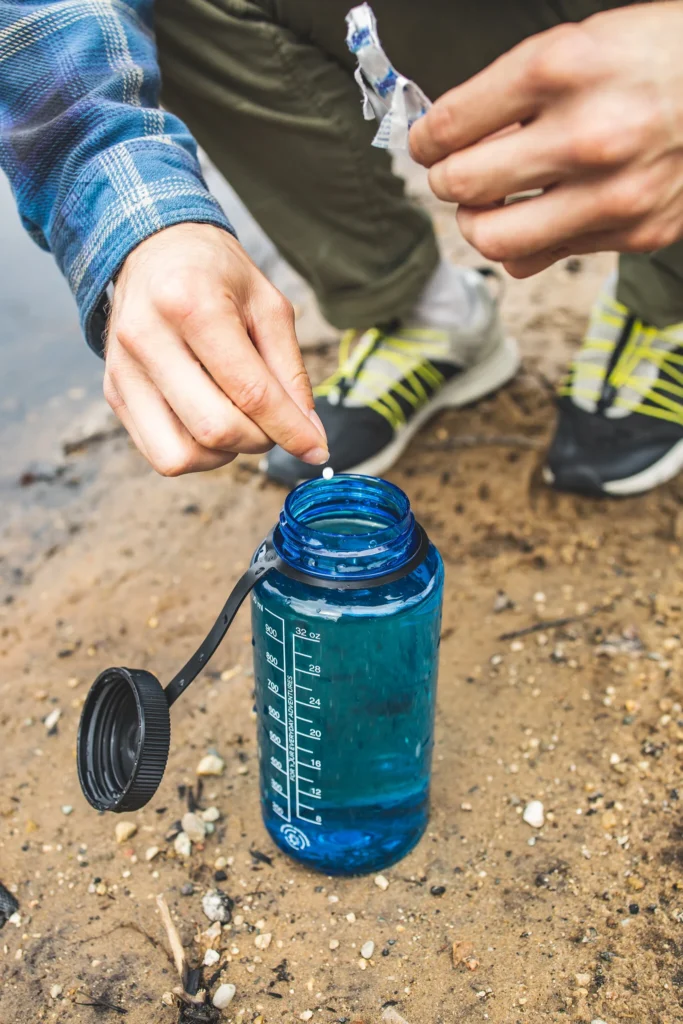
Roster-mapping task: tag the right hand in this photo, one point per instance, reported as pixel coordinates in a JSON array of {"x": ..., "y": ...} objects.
[{"x": 202, "y": 360}]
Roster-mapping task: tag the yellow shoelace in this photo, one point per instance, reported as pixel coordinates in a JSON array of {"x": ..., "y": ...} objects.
[
  {"x": 404, "y": 350},
  {"x": 661, "y": 398}
]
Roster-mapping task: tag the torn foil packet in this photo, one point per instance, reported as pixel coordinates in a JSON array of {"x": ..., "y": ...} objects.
[{"x": 395, "y": 101}]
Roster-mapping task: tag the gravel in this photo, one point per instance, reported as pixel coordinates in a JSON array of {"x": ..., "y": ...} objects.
[{"x": 223, "y": 996}]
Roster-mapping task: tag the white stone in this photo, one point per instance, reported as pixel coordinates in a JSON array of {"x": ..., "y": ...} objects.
[
  {"x": 125, "y": 830},
  {"x": 168, "y": 999},
  {"x": 151, "y": 852},
  {"x": 224, "y": 996},
  {"x": 334, "y": 943},
  {"x": 328, "y": 473},
  {"x": 67, "y": 809},
  {"x": 598, "y": 1020},
  {"x": 211, "y": 957},
  {"x": 390, "y": 1016},
  {"x": 193, "y": 827},
  {"x": 382, "y": 883},
  {"x": 182, "y": 845},
  {"x": 210, "y": 815},
  {"x": 212, "y": 764},
  {"x": 55, "y": 991},
  {"x": 367, "y": 949},
  {"x": 534, "y": 814},
  {"x": 306, "y": 1015},
  {"x": 217, "y": 906},
  {"x": 52, "y": 719},
  {"x": 263, "y": 941}
]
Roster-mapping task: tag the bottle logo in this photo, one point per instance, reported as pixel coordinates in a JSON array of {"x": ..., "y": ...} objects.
[{"x": 294, "y": 837}]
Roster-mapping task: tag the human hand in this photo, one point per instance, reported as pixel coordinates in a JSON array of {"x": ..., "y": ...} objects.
[
  {"x": 202, "y": 360},
  {"x": 593, "y": 114}
]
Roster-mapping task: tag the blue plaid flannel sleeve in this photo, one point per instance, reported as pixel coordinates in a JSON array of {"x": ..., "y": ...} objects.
[{"x": 96, "y": 167}]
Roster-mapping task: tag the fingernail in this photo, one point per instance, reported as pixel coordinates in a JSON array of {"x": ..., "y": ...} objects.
[
  {"x": 315, "y": 419},
  {"x": 316, "y": 457}
]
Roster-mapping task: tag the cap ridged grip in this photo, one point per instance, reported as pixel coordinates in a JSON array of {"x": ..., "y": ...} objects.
[{"x": 123, "y": 740}]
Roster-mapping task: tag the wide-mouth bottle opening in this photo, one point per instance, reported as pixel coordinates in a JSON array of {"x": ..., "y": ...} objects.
[{"x": 348, "y": 527}]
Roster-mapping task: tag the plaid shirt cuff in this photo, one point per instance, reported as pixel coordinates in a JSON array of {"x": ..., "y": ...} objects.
[{"x": 124, "y": 195}]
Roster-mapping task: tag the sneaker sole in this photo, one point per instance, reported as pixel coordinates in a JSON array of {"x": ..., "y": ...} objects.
[
  {"x": 499, "y": 367},
  {"x": 660, "y": 472}
]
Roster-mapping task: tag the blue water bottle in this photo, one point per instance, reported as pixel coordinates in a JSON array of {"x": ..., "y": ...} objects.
[
  {"x": 346, "y": 610},
  {"x": 345, "y": 661}
]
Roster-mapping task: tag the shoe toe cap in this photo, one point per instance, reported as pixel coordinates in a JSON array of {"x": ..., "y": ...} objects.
[{"x": 589, "y": 452}]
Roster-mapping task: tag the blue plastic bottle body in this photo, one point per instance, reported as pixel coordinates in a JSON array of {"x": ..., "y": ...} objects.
[{"x": 345, "y": 691}]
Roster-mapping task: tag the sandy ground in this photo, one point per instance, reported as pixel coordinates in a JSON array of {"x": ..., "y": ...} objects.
[{"x": 488, "y": 919}]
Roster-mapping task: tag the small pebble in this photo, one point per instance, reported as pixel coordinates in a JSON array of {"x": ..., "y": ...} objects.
[
  {"x": 51, "y": 721},
  {"x": 263, "y": 941},
  {"x": 391, "y": 1016},
  {"x": 211, "y": 957},
  {"x": 220, "y": 876},
  {"x": 217, "y": 906},
  {"x": 193, "y": 827},
  {"x": 151, "y": 852},
  {"x": 67, "y": 809},
  {"x": 534, "y": 814},
  {"x": 55, "y": 991},
  {"x": 224, "y": 995},
  {"x": 583, "y": 980},
  {"x": 367, "y": 949},
  {"x": 187, "y": 889},
  {"x": 125, "y": 830},
  {"x": 334, "y": 943},
  {"x": 328, "y": 473},
  {"x": 168, "y": 999},
  {"x": 381, "y": 882},
  {"x": 212, "y": 764},
  {"x": 220, "y": 863},
  {"x": 210, "y": 815},
  {"x": 182, "y": 845},
  {"x": 351, "y": 917},
  {"x": 306, "y": 1015},
  {"x": 437, "y": 890}
]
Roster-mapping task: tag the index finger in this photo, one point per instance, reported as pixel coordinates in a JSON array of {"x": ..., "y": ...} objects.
[
  {"x": 220, "y": 340},
  {"x": 497, "y": 97}
]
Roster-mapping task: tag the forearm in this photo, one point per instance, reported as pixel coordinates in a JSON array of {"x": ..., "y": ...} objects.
[{"x": 95, "y": 165}]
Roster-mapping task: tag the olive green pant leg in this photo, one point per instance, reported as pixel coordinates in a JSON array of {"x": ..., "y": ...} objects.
[
  {"x": 651, "y": 285},
  {"x": 283, "y": 123}
]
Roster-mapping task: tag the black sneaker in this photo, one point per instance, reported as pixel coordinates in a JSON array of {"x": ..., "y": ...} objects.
[
  {"x": 391, "y": 382},
  {"x": 620, "y": 424}
]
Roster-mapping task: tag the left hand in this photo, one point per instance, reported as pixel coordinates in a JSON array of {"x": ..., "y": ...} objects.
[{"x": 593, "y": 114}]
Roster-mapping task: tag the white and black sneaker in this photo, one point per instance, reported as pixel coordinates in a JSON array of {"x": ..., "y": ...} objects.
[
  {"x": 620, "y": 418},
  {"x": 390, "y": 381}
]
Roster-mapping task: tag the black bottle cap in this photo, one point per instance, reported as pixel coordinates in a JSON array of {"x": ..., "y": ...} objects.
[{"x": 123, "y": 740}]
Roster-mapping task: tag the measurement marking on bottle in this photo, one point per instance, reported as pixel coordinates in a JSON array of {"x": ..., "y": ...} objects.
[{"x": 275, "y": 631}]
